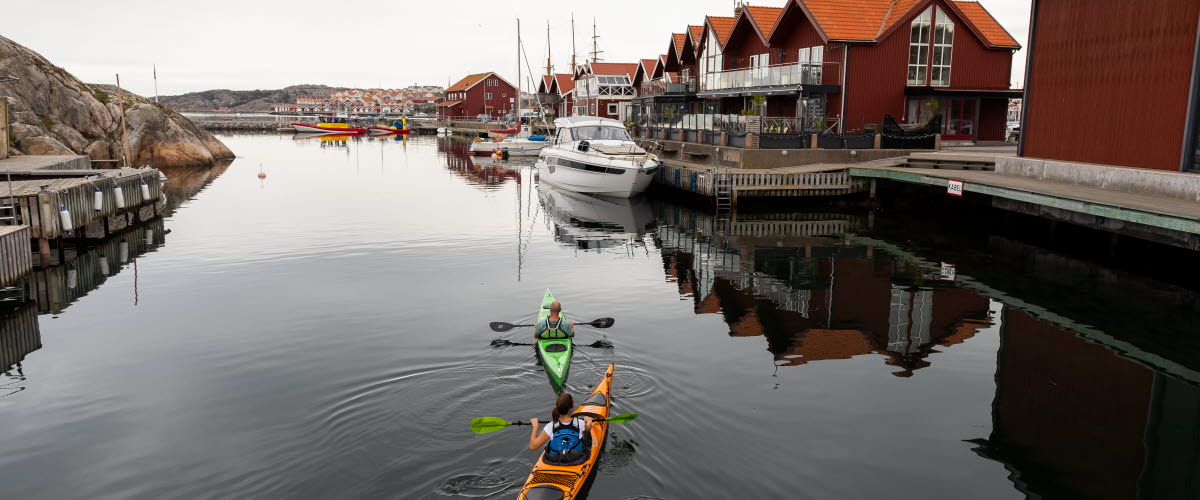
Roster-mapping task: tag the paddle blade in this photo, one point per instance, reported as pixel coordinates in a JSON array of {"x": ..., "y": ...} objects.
[
  {"x": 484, "y": 425},
  {"x": 602, "y": 323},
  {"x": 500, "y": 326},
  {"x": 620, "y": 419}
]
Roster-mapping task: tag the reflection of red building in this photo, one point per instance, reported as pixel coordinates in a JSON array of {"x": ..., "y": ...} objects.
[
  {"x": 1073, "y": 419},
  {"x": 843, "y": 303}
]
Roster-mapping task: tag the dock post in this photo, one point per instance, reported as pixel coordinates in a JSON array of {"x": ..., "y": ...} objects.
[
  {"x": 878, "y": 145},
  {"x": 873, "y": 181},
  {"x": 937, "y": 141},
  {"x": 46, "y": 212},
  {"x": 813, "y": 143}
]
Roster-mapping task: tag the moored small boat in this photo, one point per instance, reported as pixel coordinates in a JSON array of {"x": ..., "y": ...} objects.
[{"x": 326, "y": 127}]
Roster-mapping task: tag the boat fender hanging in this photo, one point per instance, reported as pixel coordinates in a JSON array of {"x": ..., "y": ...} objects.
[
  {"x": 65, "y": 217},
  {"x": 149, "y": 236},
  {"x": 145, "y": 192},
  {"x": 119, "y": 196},
  {"x": 98, "y": 200},
  {"x": 584, "y": 145},
  {"x": 104, "y": 265},
  {"x": 123, "y": 252},
  {"x": 72, "y": 278}
]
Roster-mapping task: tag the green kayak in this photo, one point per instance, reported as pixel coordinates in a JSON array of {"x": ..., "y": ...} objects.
[{"x": 555, "y": 353}]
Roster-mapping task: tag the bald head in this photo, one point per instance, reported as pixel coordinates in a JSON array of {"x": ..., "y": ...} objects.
[{"x": 555, "y": 307}]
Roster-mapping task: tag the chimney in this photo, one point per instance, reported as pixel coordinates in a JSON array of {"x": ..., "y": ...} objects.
[{"x": 737, "y": 9}]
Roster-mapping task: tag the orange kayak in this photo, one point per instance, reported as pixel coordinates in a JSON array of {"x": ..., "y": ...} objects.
[{"x": 564, "y": 482}]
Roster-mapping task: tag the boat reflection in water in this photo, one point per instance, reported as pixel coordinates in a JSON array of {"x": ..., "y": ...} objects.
[
  {"x": 1077, "y": 413},
  {"x": 484, "y": 173},
  {"x": 596, "y": 222}
]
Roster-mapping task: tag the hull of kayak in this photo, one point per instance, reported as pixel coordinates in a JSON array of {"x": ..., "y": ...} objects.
[
  {"x": 321, "y": 128},
  {"x": 554, "y": 353},
  {"x": 566, "y": 482}
]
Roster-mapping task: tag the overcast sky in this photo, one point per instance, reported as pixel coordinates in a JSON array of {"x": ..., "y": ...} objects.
[{"x": 267, "y": 44}]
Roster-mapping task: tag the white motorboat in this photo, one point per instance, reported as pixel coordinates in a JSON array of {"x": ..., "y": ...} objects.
[
  {"x": 522, "y": 144},
  {"x": 596, "y": 156}
]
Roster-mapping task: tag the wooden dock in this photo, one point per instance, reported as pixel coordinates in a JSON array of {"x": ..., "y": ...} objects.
[
  {"x": 42, "y": 194},
  {"x": 16, "y": 260},
  {"x": 800, "y": 181}
]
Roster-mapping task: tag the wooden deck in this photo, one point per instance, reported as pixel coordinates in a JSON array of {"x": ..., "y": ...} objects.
[
  {"x": 802, "y": 181},
  {"x": 16, "y": 260},
  {"x": 41, "y": 194}
]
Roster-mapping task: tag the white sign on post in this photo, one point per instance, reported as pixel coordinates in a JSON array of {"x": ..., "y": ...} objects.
[
  {"x": 954, "y": 187},
  {"x": 949, "y": 271}
]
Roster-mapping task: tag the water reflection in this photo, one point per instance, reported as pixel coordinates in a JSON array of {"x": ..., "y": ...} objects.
[
  {"x": 20, "y": 335},
  {"x": 596, "y": 222},
  {"x": 485, "y": 173},
  {"x": 797, "y": 280}
]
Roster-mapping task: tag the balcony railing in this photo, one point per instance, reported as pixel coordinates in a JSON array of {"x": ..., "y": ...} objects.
[
  {"x": 680, "y": 85},
  {"x": 827, "y": 73},
  {"x": 716, "y": 122}
]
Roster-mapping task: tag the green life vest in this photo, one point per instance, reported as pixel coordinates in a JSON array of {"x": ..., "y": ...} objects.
[{"x": 553, "y": 329}]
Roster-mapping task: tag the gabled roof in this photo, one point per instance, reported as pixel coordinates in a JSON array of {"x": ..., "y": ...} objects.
[
  {"x": 606, "y": 68},
  {"x": 563, "y": 83},
  {"x": 677, "y": 40},
  {"x": 473, "y": 80},
  {"x": 696, "y": 32},
  {"x": 647, "y": 65},
  {"x": 546, "y": 85},
  {"x": 993, "y": 33},
  {"x": 447, "y": 104},
  {"x": 764, "y": 18},
  {"x": 872, "y": 20},
  {"x": 722, "y": 26}
]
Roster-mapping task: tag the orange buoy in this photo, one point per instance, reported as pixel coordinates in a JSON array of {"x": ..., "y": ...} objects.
[{"x": 262, "y": 175}]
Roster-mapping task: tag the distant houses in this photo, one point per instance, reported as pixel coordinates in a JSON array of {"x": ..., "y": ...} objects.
[{"x": 366, "y": 101}]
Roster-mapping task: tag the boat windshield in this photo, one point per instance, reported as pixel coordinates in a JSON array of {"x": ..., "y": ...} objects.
[{"x": 597, "y": 133}]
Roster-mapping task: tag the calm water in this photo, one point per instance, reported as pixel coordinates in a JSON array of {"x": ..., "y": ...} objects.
[{"x": 323, "y": 334}]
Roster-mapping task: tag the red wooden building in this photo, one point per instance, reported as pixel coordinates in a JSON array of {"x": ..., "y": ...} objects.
[
  {"x": 1115, "y": 83},
  {"x": 842, "y": 65},
  {"x": 480, "y": 94},
  {"x": 602, "y": 89},
  {"x": 558, "y": 93}
]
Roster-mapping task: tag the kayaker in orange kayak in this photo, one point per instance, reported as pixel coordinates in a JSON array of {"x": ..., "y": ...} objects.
[
  {"x": 565, "y": 437},
  {"x": 553, "y": 327}
]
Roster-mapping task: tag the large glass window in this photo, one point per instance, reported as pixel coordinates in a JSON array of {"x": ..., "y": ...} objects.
[
  {"x": 600, "y": 134},
  {"x": 918, "y": 48},
  {"x": 711, "y": 61},
  {"x": 943, "y": 47}
]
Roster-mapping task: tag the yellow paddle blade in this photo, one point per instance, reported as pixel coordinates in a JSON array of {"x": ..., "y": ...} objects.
[{"x": 484, "y": 425}]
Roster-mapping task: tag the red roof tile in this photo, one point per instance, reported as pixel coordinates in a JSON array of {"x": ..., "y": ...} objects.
[
  {"x": 853, "y": 20},
  {"x": 648, "y": 65},
  {"x": 566, "y": 82},
  {"x": 722, "y": 26},
  {"x": 467, "y": 82},
  {"x": 547, "y": 80},
  {"x": 603, "y": 68},
  {"x": 678, "y": 39},
  {"x": 764, "y": 17},
  {"x": 992, "y": 32},
  {"x": 696, "y": 32},
  {"x": 447, "y": 104}
]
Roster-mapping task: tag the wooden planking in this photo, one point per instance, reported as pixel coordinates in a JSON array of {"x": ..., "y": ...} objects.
[
  {"x": 76, "y": 194},
  {"x": 19, "y": 336},
  {"x": 15, "y": 258}
]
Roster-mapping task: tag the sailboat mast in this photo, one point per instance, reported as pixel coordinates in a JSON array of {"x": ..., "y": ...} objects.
[
  {"x": 517, "y": 108},
  {"x": 549, "y": 66},
  {"x": 573, "y": 51}
]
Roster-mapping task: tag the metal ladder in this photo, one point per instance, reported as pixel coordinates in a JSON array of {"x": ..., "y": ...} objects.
[{"x": 9, "y": 212}]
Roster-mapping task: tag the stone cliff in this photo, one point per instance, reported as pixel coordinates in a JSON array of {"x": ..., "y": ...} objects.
[{"x": 52, "y": 112}]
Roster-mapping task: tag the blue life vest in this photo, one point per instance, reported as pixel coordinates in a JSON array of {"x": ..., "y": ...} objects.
[{"x": 566, "y": 437}]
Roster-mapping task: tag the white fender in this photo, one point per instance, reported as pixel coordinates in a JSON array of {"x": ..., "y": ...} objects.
[
  {"x": 119, "y": 196},
  {"x": 145, "y": 192},
  {"x": 149, "y": 237},
  {"x": 123, "y": 252},
  {"x": 98, "y": 200},
  {"x": 104, "y": 265},
  {"x": 72, "y": 278},
  {"x": 65, "y": 217}
]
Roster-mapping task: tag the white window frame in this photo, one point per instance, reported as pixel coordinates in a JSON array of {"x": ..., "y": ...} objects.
[
  {"x": 943, "y": 50},
  {"x": 612, "y": 108},
  {"x": 487, "y": 96},
  {"x": 918, "y": 39}
]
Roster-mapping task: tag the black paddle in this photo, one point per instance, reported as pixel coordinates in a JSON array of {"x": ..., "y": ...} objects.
[
  {"x": 500, "y": 326},
  {"x": 599, "y": 344}
]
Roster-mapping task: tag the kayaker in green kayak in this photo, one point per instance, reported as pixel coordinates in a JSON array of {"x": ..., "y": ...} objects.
[{"x": 553, "y": 326}]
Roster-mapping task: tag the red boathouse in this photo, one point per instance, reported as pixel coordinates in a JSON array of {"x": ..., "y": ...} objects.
[{"x": 482, "y": 94}]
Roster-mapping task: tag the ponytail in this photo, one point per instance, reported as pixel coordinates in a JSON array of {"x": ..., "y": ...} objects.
[{"x": 562, "y": 406}]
